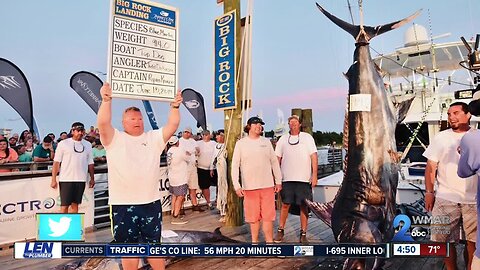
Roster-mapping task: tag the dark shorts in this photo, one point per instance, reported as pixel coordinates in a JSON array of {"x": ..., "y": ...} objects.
[
  {"x": 140, "y": 223},
  {"x": 214, "y": 179},
  {"x": 178, "y": 190},
  {"x": 204, "y": 178},
  {"x": 71, "y": 192},
  {"x": 296, "y": 192}
]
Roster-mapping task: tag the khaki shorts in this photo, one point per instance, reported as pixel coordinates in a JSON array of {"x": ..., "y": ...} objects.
[
  {"x": 462, "y": 217},
  {"x": 192, "y": 177}
]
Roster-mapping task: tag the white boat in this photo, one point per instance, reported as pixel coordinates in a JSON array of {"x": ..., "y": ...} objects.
[{"x": 430, "y": 73}]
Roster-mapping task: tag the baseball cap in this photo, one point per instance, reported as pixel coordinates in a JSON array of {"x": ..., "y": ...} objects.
[
  {"x": 206, "y": 132},
  {"x": 255, "y": 120},
  {"x": 294, "y": 117},
  {"x": 78, "y": 126},
  {"x": 189, "y": 129},
  {"x": 221, "y": 132},
  {"x": 474, "y": 105},
  {"x": 173, "y": 140}
]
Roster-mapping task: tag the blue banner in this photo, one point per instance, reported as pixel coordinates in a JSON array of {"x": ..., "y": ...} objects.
[
  {"x": 224, "y": 250},
  {"x": 225, "y": 66},
  {"x": 150, "y": 114}
]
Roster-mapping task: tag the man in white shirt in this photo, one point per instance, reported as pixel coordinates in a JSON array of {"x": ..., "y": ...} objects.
[
  {"x": 297, "y": 155},
  {"x": 133, "y": 174},
  {"x": 205, "y": 180},
  {"x": 454, "y": 197},
  {"x": 188, "y": 144},
  {"x": 255, "y": 159},
  {"x": 75, "y": 155}
]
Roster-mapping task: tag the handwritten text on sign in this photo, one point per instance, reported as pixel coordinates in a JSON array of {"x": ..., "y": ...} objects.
[{"x": 143, "y": 50}]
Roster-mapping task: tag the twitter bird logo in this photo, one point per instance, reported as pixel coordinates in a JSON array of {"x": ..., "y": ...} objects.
[{"x": 59, "y": 228}]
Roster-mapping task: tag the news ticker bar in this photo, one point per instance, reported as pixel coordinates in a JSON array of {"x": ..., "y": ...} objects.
[{"x": 67, "y": 250}]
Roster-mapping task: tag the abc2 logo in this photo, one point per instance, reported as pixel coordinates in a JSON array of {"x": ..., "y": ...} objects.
[{"x": 421, "y": 227}]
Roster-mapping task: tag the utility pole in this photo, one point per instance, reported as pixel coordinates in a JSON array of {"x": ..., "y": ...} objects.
[{"x": 233, "y": 124}]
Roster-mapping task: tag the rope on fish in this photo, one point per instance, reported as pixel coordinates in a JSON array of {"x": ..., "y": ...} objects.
[{"x": 412, "y": 138}]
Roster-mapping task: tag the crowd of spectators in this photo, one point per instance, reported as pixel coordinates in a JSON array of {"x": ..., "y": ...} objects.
[{"x": 27, "y": 147}]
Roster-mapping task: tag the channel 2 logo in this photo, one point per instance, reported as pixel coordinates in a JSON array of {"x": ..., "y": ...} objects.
[
  {"x": 303, "y": 251},
  {"x": 421, "y": 227}
]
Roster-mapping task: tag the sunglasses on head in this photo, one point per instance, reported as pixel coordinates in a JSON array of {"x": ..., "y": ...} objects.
[{"x": 78, "y": 128}]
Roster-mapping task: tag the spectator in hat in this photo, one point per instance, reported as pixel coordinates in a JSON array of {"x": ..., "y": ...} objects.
[
  {"x": 255, "y": 159},
  {"x": 297, "y": 155},
  {"x": 469, "y": 164},
  {"x": 177, "y": 160},
  {"x": 189, "y": 145},
  {"x": 205, "y": 179},
  {"x": 75, "y": 156},
  {"x": 12, "y": 142}
]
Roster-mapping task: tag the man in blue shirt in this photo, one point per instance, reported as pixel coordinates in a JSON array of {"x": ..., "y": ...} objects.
[{"x": 469, "y": 164}]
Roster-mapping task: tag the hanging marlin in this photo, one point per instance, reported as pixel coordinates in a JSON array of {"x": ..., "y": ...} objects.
[{"x": 364, "y": 208}]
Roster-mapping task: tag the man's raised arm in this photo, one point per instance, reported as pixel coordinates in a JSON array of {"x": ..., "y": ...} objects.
[
  {"x": 173, "y": 117},
  {"x": 104, "y": 117}
]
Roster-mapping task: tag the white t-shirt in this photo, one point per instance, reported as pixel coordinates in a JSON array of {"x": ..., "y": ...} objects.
[
  {"x": 296, "y": 163},
  {"x": 256, "y": 160},
  {"x": 134, "y": 167},
  {"x": 189, "y": 146},
  {"x": 206, "y": 153},
  {"x": 75, "y": 156},
  {"x": 444, "y": 150},
  {"x": 177, "y": 161}
]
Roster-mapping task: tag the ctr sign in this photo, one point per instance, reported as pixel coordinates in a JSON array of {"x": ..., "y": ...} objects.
[{"x": 225, "y": 68}]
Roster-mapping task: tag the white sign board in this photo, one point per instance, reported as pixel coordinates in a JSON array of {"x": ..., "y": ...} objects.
[{"x": 143, "y": 50}]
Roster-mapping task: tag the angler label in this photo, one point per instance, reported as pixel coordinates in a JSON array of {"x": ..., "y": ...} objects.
[
  {"x": 143, "y": 50},
  {"x": 360, "y": 103}
]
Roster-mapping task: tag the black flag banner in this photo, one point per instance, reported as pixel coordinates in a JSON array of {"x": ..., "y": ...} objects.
[
  {"x": 195, "y": 105},
  {"x": 14, "y": 89},
  {"x": 87, "y": 85}
]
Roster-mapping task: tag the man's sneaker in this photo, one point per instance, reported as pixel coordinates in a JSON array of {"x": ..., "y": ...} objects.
[
  {"x": 211, "y": 207},
  {"x": 182, "y": 212},
  {"x": 303, "y": 237},
  {"x": 198, "y": 208},
  {"x": 177, "y": 221},
  {"x": 279, "y": 237}
]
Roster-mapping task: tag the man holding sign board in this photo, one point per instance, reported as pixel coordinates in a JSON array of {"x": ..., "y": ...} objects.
[
  {"x": 142, "y": 64},
  {"x": 133, "y": 171}
]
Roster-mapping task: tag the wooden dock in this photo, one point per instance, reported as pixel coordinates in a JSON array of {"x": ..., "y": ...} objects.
[{"x": 318, "y": 233}]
